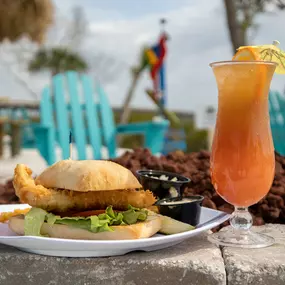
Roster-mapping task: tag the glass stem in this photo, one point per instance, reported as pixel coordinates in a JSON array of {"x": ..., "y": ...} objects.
[{"x": 241, "y": 219}]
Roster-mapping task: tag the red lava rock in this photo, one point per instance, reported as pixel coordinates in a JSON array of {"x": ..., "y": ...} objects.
[
  {"x": 226, "y": 208},
  {"x": 218, "y": 200},
  {"x": 275, "y": 201},
  {"x": 209, "y": 203},
  {"x": 258, "y": 221},
  {"x": 7, "y": 193},
  {"x": 207, "y": 194}
]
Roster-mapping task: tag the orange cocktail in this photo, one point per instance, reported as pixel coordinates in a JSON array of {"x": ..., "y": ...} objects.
[
  {"x": 242, "y": 161},
  {"x": 242, "y": 158}
]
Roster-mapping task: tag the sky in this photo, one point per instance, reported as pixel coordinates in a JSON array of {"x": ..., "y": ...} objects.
[{"x": 117, "y": 30}]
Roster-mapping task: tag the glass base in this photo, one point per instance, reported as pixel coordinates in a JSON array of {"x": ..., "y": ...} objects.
[{"x": 244, "y": 239}]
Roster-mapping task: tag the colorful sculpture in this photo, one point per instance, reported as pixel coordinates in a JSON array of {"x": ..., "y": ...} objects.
[{"x": 152, "y": 58}]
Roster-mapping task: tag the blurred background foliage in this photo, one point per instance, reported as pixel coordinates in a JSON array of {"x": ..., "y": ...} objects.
[{"x": 25, "y": 17}]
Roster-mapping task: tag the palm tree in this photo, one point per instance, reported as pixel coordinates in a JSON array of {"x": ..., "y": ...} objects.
[
  {"x": 241, "y": 16},
  {"x": 25, "y": 17},
  {"x": 57, "y": 60}
]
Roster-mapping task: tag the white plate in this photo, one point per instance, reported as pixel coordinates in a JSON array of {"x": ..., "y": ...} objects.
[{"x": 85, "y": 248}]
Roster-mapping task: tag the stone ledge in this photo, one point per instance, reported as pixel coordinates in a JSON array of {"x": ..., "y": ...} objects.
[
  {"x": 195, "y": 261},
  {"x": 258, "y": 266}
]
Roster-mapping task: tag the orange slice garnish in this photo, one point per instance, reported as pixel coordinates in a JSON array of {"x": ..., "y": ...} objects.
[
  {"x": 246, "y": 54},
  {"x": 250, "y": 54},
  {"x": 264, "y": 53}
]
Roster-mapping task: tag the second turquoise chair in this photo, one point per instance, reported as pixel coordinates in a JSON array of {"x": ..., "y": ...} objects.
[{"x": 277, "y": 120}]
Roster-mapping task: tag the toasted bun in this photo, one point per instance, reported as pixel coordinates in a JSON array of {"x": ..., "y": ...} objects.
[
  {"x": 136, "y": 231},
  {"x": 87, "y": 175}
]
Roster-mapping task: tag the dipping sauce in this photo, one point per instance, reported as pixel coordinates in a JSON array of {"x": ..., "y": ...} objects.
[
  {"x": 183, "y": 201},
  {"x": 163, "y": 184},
  {"x": 164, "y": 177},
  {"x": 186, "y": 210}
]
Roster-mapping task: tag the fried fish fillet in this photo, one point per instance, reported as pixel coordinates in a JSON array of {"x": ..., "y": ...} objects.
[{"x": 61, "y": 200}]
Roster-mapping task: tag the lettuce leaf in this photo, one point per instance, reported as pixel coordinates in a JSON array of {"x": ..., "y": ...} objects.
[
  {"x": 132, "y": 215},
  {"x": 34, "y": 220},
  {"x": 96, "y": 224}
]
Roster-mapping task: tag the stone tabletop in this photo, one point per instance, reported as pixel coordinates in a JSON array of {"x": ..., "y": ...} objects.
[
  {"x": 195, "y": 261},
  {"x": 258, "y": 266}
]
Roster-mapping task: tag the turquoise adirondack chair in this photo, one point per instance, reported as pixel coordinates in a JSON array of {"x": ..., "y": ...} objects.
[
  {"x": 89, "y": 117},
  {"x": 277, "y": 120}
]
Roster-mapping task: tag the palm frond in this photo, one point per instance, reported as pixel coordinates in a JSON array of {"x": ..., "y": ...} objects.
[{"x": 57, "y": 60}]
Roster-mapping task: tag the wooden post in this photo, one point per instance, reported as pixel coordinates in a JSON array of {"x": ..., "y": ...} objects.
[
  {"x": 2, "y": 134},
  {"x": 126, "y": 112},
  {"x": 211, "y": 132},
  {"x": 16, "y": 138},
  {"x": 210, "y": 120},
  {"x": 126, "y": 106}
]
